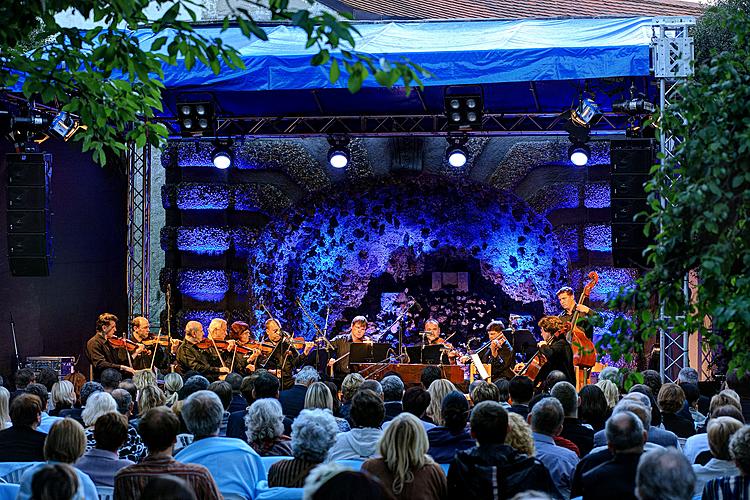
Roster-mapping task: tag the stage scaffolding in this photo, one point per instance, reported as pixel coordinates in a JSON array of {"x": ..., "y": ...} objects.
[{"x": 139, "y": 234}]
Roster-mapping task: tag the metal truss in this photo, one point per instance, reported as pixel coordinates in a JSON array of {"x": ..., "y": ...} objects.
[
  {"x": 672, "y": 55},
  {"x": 139, "y": 234},
  {"x": 500, "y": 124}
]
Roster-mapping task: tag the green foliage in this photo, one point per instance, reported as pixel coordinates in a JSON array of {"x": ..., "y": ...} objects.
[
  {"x": 703, "y": 230},
  {"x": 113, "y": 83}
]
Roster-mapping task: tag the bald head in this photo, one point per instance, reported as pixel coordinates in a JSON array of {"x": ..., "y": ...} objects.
[{"x": 193, "y": 331}]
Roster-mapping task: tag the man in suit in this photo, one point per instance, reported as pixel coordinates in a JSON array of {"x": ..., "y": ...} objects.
[
  {"x": 521, "y": 390},
  {"x": 573, "y": 429},
  {"x": 293, "y": 400},
  {"x": 22, "y": 442},
  {"x": 393, "y": 394}
]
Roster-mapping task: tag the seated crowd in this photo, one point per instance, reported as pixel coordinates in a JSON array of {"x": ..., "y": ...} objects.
[{"x": 183, "y": 437}]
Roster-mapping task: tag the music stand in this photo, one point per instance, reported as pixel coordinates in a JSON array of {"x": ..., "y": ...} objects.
[
  {"x": 524, "y": 343},
  {"x": 368, "y": 352},
  {"x": 428, "y": 355}
]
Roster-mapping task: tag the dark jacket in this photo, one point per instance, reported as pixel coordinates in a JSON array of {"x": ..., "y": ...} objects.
[
  {"x": 587, "y": 463},
  {"x": 559, "y": 357},
  {"x": 190, "y": 358},
  {"x": 74, "y": 413},
  {"x": 285, "y": 358},
  {"x": 236, "y": 427},
  {"x": 393, "y": 409},
  {"x": 502, "y": 365},
  {"x": 238, "y": 403},
  {"x": 293, "y": 400},
  {"x": 102, "y": 355},
  {"x": 582, "y": 436},
  {"x": 495, "y": 472},
  {"x": 683, "y": 427},
  {"x": 655, "y": 435},
  {"x": 21, "y": 444},
  {"x": 522, "y": 410},
  {"x": 612, "y": 479},
  {"x": 444, "y": 444}
]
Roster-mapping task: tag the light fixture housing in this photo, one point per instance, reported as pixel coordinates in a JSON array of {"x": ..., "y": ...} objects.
[
  {"x": 339, "y": 154},
  {"x": 464, "y": 108},
  {"x": 579, "y": 154},
  {"x": 196, "y": 118},
  {"x": 456, "y": 154},
  {"x": 222, "y": 156},
  {"x": 586, "y": 114},
  {"x": 64, "y": 125}
]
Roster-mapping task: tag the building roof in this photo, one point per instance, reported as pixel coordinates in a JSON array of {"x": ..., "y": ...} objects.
[{"x": 512, "y": 9}]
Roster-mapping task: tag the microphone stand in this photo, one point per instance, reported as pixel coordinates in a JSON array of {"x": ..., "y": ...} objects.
[{"x": 15, "y": 344}]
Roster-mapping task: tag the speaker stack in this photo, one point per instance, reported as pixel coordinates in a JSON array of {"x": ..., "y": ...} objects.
[
  {"x": 631, "y": 161},
  {"x": 28, "y": 193}
]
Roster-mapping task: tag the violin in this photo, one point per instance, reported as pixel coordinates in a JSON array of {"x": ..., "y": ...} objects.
[
  {"x": 161, "y": 340},
  {"x": 122, "y": 343}
]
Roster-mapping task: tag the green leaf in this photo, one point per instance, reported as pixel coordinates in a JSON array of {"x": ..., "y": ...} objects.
[
  {"x": 158, "y": 43},
  {"x": 335, "y": 72}
]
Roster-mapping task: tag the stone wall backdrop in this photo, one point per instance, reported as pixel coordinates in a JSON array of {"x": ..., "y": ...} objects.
[{"x": 281, "y": 225}]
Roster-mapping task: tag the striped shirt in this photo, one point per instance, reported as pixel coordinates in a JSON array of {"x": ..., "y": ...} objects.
[
  {"x": 131, "y": 481},
  {"x": 290, "y": 473},
  {"x": 727, "y": 488}
]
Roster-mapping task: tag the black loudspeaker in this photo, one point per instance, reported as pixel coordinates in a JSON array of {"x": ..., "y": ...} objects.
[
  {"x": 29, "y": 177},
  {"x": 631, "y": 160}
]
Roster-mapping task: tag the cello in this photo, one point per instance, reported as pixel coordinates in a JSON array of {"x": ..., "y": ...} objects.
[{"x": 584, "y": 351}]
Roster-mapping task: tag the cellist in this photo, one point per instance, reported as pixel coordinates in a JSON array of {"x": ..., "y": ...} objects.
[{"x": 556, "y": 348}]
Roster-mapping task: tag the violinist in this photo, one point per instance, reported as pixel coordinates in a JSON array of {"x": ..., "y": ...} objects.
[
  {"x": 99, "y": 350},
  {"x": 221, "y": 353},
  {"x": 567, "y": 300},
  {"x": 500, "y": 353},
  {"x": 556, "y": 348},
  {"x": 141, "y": 357},
  {"x": 342, "y": 343},
  {"x": 191, "y": 357},
  {"x": 432, "y": 337},
  {"x": 239, "y": 331},
  {"x": 284, "y": 357}
]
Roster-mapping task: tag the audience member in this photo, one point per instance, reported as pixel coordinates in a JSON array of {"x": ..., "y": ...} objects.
[
  {"x": 503, "y": 387},
  {"x": 144, "y": 378},
  {"x": 265, "y": 429},
  {"x": 664, "y": 474},
  {"x": 521, "y": 389},
  {"x": 23, "y": 442},
  {"x": 313, "y": 434},
  {"x": 697, "y": 445},
  {"x": 65, "y": 443},
  {"x": 393, "y": 393},
  {"x": 546, "y": 419},
  {"x": 611, "y": 393},
  {"x": 261, "y": 385},
  {"x": 655, "y": 412},
  {"x": 451, "y": 436},
  {"x": 519, "y": 435},
  {"x": 86, "y": 391},
  {"x": 110, "y": 379},
  {"x": 238, "y": 402},
  {"x": 4, "y": 408},
  {"x": 55, "y": 482},
  {"x": 720, "y": 432},
  {"x": 319, "y": 396},
  {"x": 652, "y": 379},
  {"x": 158, "y": 429},
  {"x": 553, "y": 378},
  {"x": 191, "y": 385},
  {"x": 689, "y": 375},
  {"x": 573, "y": 429},
  {"x": 733, "y": 486},
  {"x": 63, "y": 397},
  {"x": 129, "y": 386},
  {"x": 429, "y": 374},
  {"x": 367, "y": 413},
  {"x": 99, "y": 404},
  {"x": 234, "y": 465},
  {"x": 611, "y": 373},
  {"x": 438, "y": 390},
  {"x": 78, "y": 380},
  {"x": 222, "y": 389},
  {"x": 124, "y": 402},
  {"x": 173, "y": 382},
  {"x": 349, "y": 387},
  {"x": 41, "y": 392},
  {"x": 374, "y": 386},
  {"x": 655, "y": 435},
  {"x": 293, "y": 399},
  {"x": 24, "y": 377},
  {"x": 171, "y": 487},
  {"x": 102, "y": 462},
  {"x": 404, "y": 467},
  {"x": 47, "y": 377},
  {"x": 692, "y": 397},
  {"x": 416, "y": 401},
  {"x": 741, "y": 385},
  {"x": 671, "y": 399},
  {"x": 491, "y": 468},
  {"x": 336, "y": 400},
  {"x": 334, "y": 482},
  {"x": 616, "y": 477},
  {"x": 485, "y": 391}
]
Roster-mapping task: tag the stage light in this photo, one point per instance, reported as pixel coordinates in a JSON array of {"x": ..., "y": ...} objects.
[
  {"x": 339, "y": 154},
  {"x": 456, "y": 154},
  {"x": 586, "y": 114},
  {"x": 64, "y": 126},
  {"x": 464, "y": 112},
  {"x": 222, "y": 156},
  {"x": 196, "y": 118},
  {"x": 579, "y": 154}
]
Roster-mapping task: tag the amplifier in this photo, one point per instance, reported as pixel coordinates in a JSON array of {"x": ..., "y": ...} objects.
[{"x": 63, "y": 365}]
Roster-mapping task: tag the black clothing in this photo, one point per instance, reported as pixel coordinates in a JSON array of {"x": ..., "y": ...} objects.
[
  {"x": 143, "y": 360},
  {"x": 585, "y": 321},
  {"x": 522, "y": 410},
  {"x": 238, "y": 403},
  {"x": 612, "y": 479},
  {"x": 102, "y": 355},
  {"x": 582, "y": 436},
  {"x": 236, "y": 427},
  {"x": 496, "y": 471},
  {"x": 587, "y": 463},
  {"x": 284, "y": 358},
  {"x": 190, "y": 358},
  {"x": 559, "y": 357},
  {"x": 681, "y": 426},
  {"x": 502, "y": 365},
  {"x": 21, "y": 444},
  {"x": 342, "y": 344},
  {"x": 392, "y": 410},
  {"x": 293, "y": 400},
  {"x": 74, "y": 413}
]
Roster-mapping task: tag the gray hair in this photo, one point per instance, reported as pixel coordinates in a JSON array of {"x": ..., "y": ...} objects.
[
  {"x": 306, "y": 376},
  {"x": 688, "y": 376},
  {"x": 638, "y": 397},
  {"x": 313, "y": 434},
  {"x": 643, "y": 413},
  {"x": 63, "y": 392},
  {"x": 215, "y": 324},
  {"x": 566, "y": 394},
  {"x": 547, "y": 416},
  {"x": 393, "y": 388},
  {"x": 264, "y": 420},
  {"x": 97, "y": 405},
  {"x": 202, "y": 413},
  {"x": 612, "y": 374},
  {"x": 739, "y": 449},
  {"x": 123, "y": 400},
  {"x": 664, "y": 474},
  {"x": 372, "y": 385},
  {"x": 624, "y": 431},
  {"x": 173, "y": 382}
]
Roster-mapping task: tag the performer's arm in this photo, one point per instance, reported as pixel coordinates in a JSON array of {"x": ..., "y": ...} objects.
[{"x": 98, "y": 358}]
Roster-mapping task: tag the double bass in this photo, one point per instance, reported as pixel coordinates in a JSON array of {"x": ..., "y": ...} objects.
[{"x": 584, "y": 351}]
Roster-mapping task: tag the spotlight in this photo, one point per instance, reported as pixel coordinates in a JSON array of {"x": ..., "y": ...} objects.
[
  {"x": 338, "y": 153},
  {"x": 579, "y": 154},
  {"x": 64, "y": 126},
  {"x": 222, "y": 156},
  {"x": 464, "y": 112},
  {"x": 196, "y": 118},
  {"x": 586, "y": 114},
  {"x": 636, "y": 106},
  {"x": 455, "y": 153}
]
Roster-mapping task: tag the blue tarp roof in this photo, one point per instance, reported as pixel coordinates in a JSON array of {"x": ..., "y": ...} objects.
[{"x": 456, "y": 52}]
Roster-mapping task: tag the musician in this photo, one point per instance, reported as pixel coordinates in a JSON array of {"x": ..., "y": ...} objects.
[
  {"x": 99, "y": 351},
  {"x": 567, "y": 300},
  {"x": 190, "y": 357},
  {"x": 221, "y": 352},
  {"x": 432, "y": 337},
  {"x": 284, "y": 358},
  {"x": 142, "y": 356},
  {"x": 499, "y": 354},
  {"x": 342, "y": 344},
  {"x": 556, "y": 348},
  {"x": 239, "y": 331}
]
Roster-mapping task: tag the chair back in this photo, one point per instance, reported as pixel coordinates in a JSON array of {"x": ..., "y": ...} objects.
[
  {"x": 263, "y": 492},
  {"x": 11, "y": 472},
  {"x": 351, "y": 463},
  {"x": 10, "y": 491},
  {"x": 269, "y": 461},
  {"x": 105, "y": 492}
]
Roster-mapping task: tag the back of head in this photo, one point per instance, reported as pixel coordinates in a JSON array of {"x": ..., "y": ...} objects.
[
  {"x": 97, "y": 405},
  {"x": 593, "y": 404},
  {"x": 625, "y": 432},
  {"x": 637, "y": 408},
  {"x": 123, "y": 399},
  {"x": 202, "y": 413},
  {"x": 547, "y": 416},
  {"x": 63, "y": 393},
  {"x": 374, "y": 386},
  {"x": 111, "y": 431},
  {"x": 39, "y": 391},
  {"x": 66, "y": 442},
  {"x": 222, "y": 389},
  {"x": 724, "y": 398},
  {"x": 393, "y": 388},
  {"x": 110, "y": 379},
  {"x": 367, "y": 409},
  {"x": 612, "y": 374},
  {"x": 234, "y": 380},
  {"x": 24, "y": 377},
  {"x": 350, "y": 386},
  {"x": 503, "y": 385},
  {"x": 143, "y": 378},
  {"x": 54, "y": 482},
  {"x": 566, "y": 394},
  {"x": 664, "y": 474},
  {"x": 720, "y": 431},
  {"x": 343, "y": 484},
  {"x": 728, "y": 411},
  {"x": 403, "y": 447},
  {"x": 318, "y": 395},
  {"x": 47, "y": 377},
  {"x": 489, "y": 423},
  {"x": 313, "y": 434},
  {"x": 553, "y": 378},
  {"x": 739, "y": 449},
  {"x": 173, "y": 382},
  {"x": 416, "y": 400},
  {"x": 652, "y": 379},
  {"x": 688, "y": 375},
  {"x": 519, "y": 435},
  {"x": 4, "y": 406},
  {"x": 521, "y": 390},
  {"x": 265, "y": 385},
  {"x": 129, "y": 386},
  {"x": 454, "y": 411},
  {"x": 438, "y": 390},
  {"x": 264, "y": 420},
  {"x": 158, "y": 429},
  {"x": 192, "y": 385},
  {"x": 430, "y": 374},
  {"x": 151, "y": 397},
  {"x": 306, "y": 376},
  {"x": 611, "y": 393},
  {"x": 88, "y": 389},
  {"x": 692, "y": 393},
  {"x": 671, "y": 398},
  {"x": 485, "y": 392},
  {"x": 25, "y": 410},
  {"x": 167, "y": 487}
]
